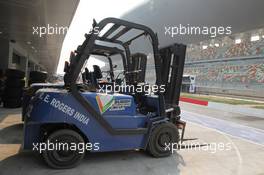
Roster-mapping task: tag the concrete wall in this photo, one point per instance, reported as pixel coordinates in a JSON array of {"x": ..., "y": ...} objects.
[
  {"x": 20, "y": 51},
  {"x": 7, "y": 49}
]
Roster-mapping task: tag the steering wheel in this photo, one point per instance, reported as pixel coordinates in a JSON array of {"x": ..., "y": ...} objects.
[
  {"x": 121, "y": 79},
  {"x": 106, "y": 75}
]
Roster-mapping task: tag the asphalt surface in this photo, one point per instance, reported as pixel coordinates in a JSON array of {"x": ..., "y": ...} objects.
[
  {"x": 225, "y": 143},
  {"x": 246, "y": 120},
  {"x": 237, "y": 130}
]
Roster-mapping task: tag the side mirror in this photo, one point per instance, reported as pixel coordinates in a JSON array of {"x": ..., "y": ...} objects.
[{"x": 115, "y": 66}]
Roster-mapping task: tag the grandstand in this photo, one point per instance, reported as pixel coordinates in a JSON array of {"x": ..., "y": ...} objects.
[{"x": 230, "y": 65}]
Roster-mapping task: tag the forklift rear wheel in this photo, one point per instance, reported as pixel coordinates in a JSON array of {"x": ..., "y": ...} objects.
[
  {"x": 161, "y": 140},
  {"x": 61, "y": 157}
]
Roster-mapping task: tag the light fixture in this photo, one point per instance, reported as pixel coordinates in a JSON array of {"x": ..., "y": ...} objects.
[
  {"x": 28, "y": 42},
  {"x": 238, "y": 41},
  {"x": 205, "y": 47},
  {"x": 216, "y": 44},
  {"x": 255, "y": 38}
]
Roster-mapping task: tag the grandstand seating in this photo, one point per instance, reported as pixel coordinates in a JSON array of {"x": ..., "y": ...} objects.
[{"x": 245, "y": 48}]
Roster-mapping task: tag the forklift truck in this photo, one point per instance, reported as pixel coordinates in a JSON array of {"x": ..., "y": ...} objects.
[{"x": 75, "y": 113}]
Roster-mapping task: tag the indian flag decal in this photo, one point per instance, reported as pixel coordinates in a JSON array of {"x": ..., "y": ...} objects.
[{"x": 104, "y": 102}]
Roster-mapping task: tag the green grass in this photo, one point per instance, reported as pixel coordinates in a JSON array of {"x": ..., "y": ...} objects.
[
  {"x": 222, "y": 100},
  {"x": 259, "y": 107}
]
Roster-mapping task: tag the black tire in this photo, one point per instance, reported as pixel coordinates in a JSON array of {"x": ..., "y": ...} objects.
[
  {"x": 12, "y": 103},
  {"x": 35, "y": 81},
  {"x": 37, "y": 75},
  {"x": 161, "y": 134},
  {"x": 15, "y": 83},
  {"x": 59, "y": 159},
  {"x": 15, "y": 93},
  {"x": 2, "y": 83},
  {"x": 1, "y": 73},
  {"x": 15, "y": 73}
]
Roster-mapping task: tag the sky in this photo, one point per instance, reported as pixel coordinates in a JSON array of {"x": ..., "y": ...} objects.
[{"x": 82, "y": 23}]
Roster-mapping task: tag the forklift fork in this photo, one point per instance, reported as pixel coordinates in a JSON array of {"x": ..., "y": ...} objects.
[{"x": 181, "y": 125}]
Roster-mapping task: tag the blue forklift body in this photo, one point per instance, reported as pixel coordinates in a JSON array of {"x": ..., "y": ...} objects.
[{"x": 51, "y": 106}]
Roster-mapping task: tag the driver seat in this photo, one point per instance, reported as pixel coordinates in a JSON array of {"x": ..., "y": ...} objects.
[
  {"x": 96, "y": 75},
  {"x": 97, "y": 72}
]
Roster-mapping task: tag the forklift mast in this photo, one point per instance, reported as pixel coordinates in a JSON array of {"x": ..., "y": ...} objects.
[{"x": 172, "y": 64}]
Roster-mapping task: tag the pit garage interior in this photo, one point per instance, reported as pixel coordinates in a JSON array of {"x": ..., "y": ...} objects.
[{"x": 224, "y": 114}]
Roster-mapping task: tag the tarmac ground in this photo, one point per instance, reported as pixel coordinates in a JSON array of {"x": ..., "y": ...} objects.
[{"x": 217, "y": 143}]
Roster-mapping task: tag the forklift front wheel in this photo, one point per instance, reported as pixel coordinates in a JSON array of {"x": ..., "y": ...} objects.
[
  {"x": 61, "y": 156},
  {"x": 162, "y": 138}
]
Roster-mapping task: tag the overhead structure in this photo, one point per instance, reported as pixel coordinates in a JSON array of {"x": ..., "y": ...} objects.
[{"x": 21, "y": 21}]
